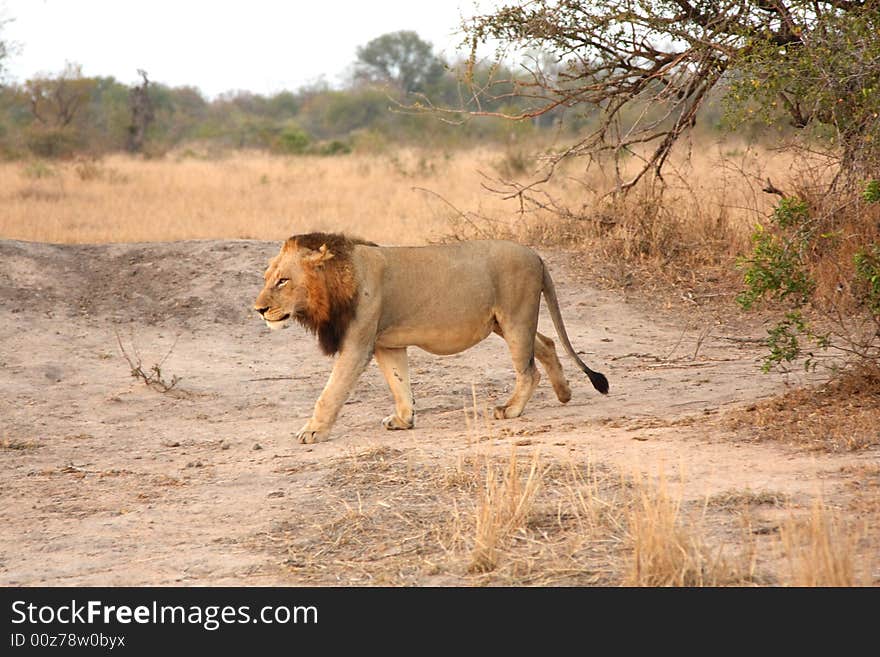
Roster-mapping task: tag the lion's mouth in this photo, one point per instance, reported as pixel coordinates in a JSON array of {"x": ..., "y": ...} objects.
[{"x": 278, "y": 323}]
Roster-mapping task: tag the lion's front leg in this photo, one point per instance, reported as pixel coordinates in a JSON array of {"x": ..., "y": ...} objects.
[
  {"x": 348, "y": 367},
  {"x": 395, "y": 369}
]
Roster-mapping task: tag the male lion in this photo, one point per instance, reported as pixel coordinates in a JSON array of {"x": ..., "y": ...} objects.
[{"x": 364, "y": 300}]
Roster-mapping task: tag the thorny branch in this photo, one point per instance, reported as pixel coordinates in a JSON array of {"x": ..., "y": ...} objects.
[{"x": 642, "y": 68}]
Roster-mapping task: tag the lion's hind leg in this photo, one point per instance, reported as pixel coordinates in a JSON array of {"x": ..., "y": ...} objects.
[
  {"x": 395, "y": 368},
  {"x": 521, "y": 342},
  {"x": 545, "y": 352}
]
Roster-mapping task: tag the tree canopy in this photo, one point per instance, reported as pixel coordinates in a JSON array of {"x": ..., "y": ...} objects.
[
  {"x": 649, "y": 66},
  {"x": 400, "y": 58},
  {"x": 65, "y": 113},
  {"x": 4, "y": 48}
]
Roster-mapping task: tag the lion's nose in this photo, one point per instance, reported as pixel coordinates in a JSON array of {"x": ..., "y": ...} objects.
[{"x": 262, "y": 311}]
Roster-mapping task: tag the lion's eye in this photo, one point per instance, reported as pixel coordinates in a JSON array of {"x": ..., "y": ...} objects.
[{"x": 281, "y": 282}]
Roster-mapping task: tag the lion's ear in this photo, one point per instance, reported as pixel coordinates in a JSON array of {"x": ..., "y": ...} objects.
[{"x": 319, "y": 257}]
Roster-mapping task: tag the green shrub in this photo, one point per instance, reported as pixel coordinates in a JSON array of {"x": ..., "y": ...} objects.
[
  {"x": 774, "y": 270},
  {"x": 333, "y": 147},
  {"x": 786, "y": 257},
  {"x": 52, "y": 142},
  {"x": 291, "y": 141},
  {"x": 791, "y": 213},
  {"x": 871, "y": 194},
  {"x": 867, "y": 262}
]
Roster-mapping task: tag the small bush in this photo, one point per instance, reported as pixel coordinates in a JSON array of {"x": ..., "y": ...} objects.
[
  {"x": 790, "y": 213},
  {"x": 291, "y": 141},
  {"x": 38, "y": 170},
  {"x": 773, "y": 270},
  {"x": 334, "y": 147},
  {"x": 867, "y": 262},
  {"x": 514, "y": 163},
  {"x": 422, "y": 165},
  {"x": 87, "y": 170},
  {"x": 871, "y": 194},
  {"x": 817, "y": 254},
  {"x": 52, "y": 142}
]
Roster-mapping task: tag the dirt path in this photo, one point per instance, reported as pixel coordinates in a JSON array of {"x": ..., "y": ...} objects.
[{"x": 107, "y": 482}]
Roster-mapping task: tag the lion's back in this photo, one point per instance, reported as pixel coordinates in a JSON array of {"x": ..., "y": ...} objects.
[
  {"x": 451, "y": 293},
  {"x": 464, "y": 273}
]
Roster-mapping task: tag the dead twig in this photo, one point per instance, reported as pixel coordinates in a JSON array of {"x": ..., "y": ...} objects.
[
  {"x": 462, "y": 215},
  {"x": 770, "y": 188},
  {"x": 152, "y": 377},
  {"x": 700, "y": 339},
  {"x": 744, "y": 340}
]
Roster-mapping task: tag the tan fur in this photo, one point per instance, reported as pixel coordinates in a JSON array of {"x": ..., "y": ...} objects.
[{"x": 367, "y": 301}]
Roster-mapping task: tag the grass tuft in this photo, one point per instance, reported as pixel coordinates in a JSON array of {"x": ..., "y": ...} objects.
[{"x": 822, "y": 549}]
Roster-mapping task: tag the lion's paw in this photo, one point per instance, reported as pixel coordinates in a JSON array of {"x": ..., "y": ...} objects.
[
  {"x": 393, "y": 422},
  {"x": 310, "y": 434},
  {"x": 506, "y": 413},
  {"x": 563, "y": 392}
]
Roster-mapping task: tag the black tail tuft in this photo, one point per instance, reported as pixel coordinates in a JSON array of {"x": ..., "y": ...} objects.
[{"x": 598, "y": 380}]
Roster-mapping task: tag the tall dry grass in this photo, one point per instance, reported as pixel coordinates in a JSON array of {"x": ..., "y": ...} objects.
[
  {"x": 411, "y": 196},
  {"x": 549, "y": 519},
  {"x": 688, "y": 228},
  {"x": 667, "y": 549},
  {"x": 523, "y": 519},
  {"x": 508, "y": 514},
  {"x": 504, "y": 506},
  {"x": 821, "y": 550},
  {"x": 243, "y": 195}
]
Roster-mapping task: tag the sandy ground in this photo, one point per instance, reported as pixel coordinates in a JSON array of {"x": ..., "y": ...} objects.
[{"x": 105, "y": 481}]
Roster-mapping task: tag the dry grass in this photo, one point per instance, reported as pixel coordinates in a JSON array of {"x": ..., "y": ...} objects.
[
  {"x": 686, "y": 233},
  {"x": 668, "y": 550},
  {"x": 501, "y": 515},
  {"x": 744, "y": 499},
  {"x": 689, "y": 234},
  {"x": 396, "y": 518},
  {"x": 864, "y": 485},
  {"x": 822, "y": 550},
  {"x": 506, "y": 502},
  {"x": 242, "y": 195},
  {"x": 18, "y": 445},
  {"x": 841, "y": 415},
  {"x": 411, "y": 196}
]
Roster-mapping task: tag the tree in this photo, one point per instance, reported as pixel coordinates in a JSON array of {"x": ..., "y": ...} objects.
[
  {"x": 56, "y": 104},
  {"x": 648, "y": 66},
  {"x": 826, "y": 83},
  {"x": 55, "y": 101},
  {"x": 142, "y": 114},
  {"x": 6, "y": 47},
  {"x": 4, "y": 50},
  {"x": 818, "y": 61},
  {"x": 399, "y": 58}
]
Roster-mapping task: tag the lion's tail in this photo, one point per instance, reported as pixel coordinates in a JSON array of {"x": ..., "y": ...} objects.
[{"x": 598, "y": 380}]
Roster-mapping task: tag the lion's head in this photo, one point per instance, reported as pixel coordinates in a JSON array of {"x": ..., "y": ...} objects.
[{"x": 312, "y": 281}]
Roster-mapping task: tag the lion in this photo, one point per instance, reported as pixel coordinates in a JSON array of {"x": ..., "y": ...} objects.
[{"x": 368, "y": 301}]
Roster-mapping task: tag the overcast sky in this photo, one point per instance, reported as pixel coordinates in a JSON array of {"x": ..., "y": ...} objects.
[{"x": 258, "y": 45}]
